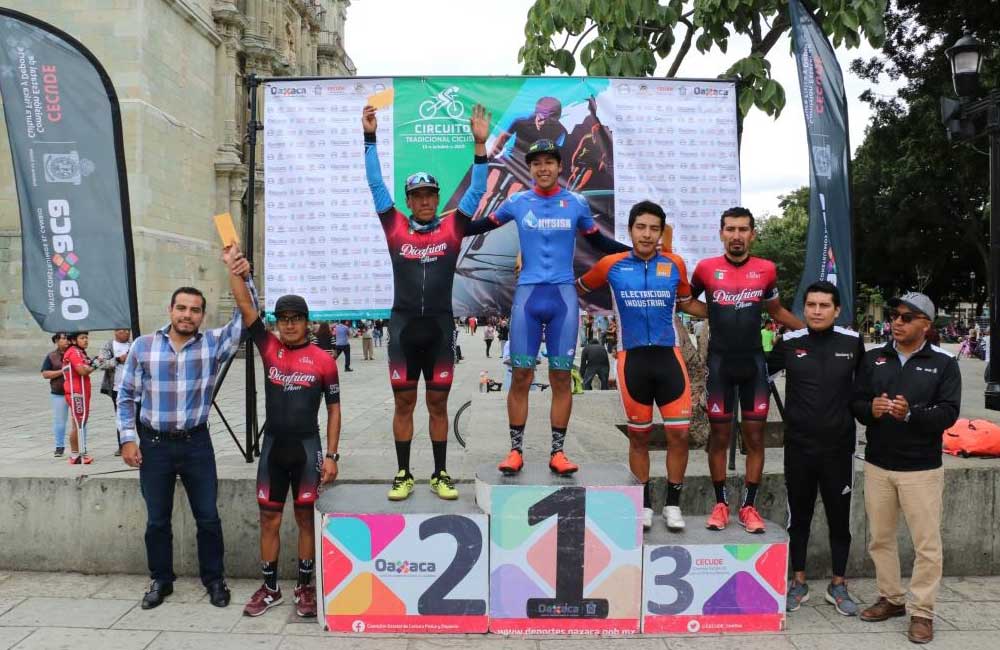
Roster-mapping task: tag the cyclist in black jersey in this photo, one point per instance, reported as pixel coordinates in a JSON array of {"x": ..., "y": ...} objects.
[{"x": 298, "y": 376}]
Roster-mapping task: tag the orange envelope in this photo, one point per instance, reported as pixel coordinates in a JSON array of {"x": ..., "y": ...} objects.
[
  {"x": 382, "y": 98},
  {"x": 227, "y": 231}
]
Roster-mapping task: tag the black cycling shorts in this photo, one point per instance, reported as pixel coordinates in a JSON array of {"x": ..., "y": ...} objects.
[
  {"x": 729, "y": 371},
  {"x": 421, "y": 345},
  {"x": 288, "y": 462},
  {"x": 649, "y": 374}
]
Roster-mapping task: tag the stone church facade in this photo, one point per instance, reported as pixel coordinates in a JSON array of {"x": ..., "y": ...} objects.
[{"x": 178, "y": 67}]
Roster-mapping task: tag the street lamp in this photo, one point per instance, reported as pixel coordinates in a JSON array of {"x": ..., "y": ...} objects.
[{"x": 969, "y": 118}]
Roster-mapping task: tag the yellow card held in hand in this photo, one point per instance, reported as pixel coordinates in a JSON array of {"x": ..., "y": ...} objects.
[
  {"x": 382, "y": 98},
  {"x": 227, "y": 231}
]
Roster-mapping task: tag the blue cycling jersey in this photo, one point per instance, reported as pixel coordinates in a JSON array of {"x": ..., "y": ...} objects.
[
  {"x": 546, "y": 226},
  {"x": 644, "y": 292}
]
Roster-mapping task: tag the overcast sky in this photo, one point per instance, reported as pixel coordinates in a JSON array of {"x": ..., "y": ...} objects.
[{"x": 482, "y": 37}]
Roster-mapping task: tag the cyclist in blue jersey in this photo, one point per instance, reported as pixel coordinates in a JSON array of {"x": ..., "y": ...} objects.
[{"x": 548, "y": 218}]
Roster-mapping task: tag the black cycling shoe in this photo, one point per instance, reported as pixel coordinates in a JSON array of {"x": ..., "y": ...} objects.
[
  {"x": 157, "y": 592},
  {"x": 218, "y": 593}
]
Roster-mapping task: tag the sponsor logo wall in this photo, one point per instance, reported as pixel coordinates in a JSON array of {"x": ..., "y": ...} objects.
[{"x": 622, "y": 140}]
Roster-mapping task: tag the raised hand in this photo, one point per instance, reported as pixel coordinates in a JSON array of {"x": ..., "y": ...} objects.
[
  {"x": 368, "y": 119},
  {"x": 480, "y": 123}
]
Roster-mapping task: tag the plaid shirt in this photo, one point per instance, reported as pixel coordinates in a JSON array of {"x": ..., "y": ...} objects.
[{"x": 174, "y": 389}]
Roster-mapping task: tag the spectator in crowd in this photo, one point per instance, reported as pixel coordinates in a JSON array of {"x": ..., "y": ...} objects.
[
  {"x": 377, "y": 333},
  {"x": 489, "y": 333},
  {"x": 342, "y": 344},
  {"x": 611, "y": 335},
  {"x": 473, "y": 324},
  {"x": 503, "y": 332},
  {"x": 112, "y": 362},
  {"x": 77, "y": 367},
  {"x": 165, "y": 440},
  {"x": 907, "y": 393},
  {"x": 52, "y": 371},
  {"x": 594, "y": 363},
  {"x": 325, "y": 338},
  {"x": 367, "y": 341},
  {"x": 767, "y": 335}
]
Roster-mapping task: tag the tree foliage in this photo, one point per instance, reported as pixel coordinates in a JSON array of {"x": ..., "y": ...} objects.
[
  {"x": 782, "y": 239},
  {"x": 920, "y": 202},
  {"x": 628, "y": 38}
]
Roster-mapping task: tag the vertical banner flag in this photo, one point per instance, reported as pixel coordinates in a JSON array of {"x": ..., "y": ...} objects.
[
  {"x": 829, "y": 251},
  {"x": 622, "y": 140},
  {"x": 64, "y": 127}
]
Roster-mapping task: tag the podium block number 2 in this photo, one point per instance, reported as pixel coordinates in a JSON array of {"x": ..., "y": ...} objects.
[
  {"x": 568, "y": 506},
  {"x": 675, "y": 579},
  {"x": 433, "y": 601}
]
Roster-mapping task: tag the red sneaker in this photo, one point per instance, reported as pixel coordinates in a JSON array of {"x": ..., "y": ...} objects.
[
  {"x": 87, "y": 460},
  {"x": 262, "y": 600},
  {"x": 305, "y": 601},
  {"x": 512, "y": 464},
  {"x": 559, "y": 464},
  {"x": 719, "y": 517},
  {"x": 751, "y": 520}
]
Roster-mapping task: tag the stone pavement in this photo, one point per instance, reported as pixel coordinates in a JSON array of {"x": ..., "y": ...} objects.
[
  {"x": 366, "y": 440},
  {"x": 79, "y": 612}
]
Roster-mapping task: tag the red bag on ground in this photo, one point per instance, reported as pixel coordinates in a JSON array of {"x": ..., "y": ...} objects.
[{"x": 972, "y": 438}]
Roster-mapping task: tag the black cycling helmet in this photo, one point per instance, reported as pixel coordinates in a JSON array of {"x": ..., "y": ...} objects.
[
  {"x": 539, "y": 147},
  {"x": 421, "y": 180}
]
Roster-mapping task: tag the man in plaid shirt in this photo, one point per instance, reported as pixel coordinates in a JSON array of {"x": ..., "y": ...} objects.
[{"x": 163, "y": 407}]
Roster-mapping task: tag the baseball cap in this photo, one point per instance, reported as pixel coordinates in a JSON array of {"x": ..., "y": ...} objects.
[
  {"x": 291, "y": 303},
  {"x": 915, "y": 301},
  {"x": 420, "y": 180},
  {"x": 539, "y": 147}
]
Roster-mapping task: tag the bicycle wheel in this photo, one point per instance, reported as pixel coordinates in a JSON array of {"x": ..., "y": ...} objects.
[
  {"x": 455, "y": 427},
  {"x": 427, "y": 109},
  {"x": 456, "y": 109}
]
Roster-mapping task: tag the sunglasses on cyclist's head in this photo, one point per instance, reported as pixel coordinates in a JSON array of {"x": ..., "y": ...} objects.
[{"x": 906, "y": 317}]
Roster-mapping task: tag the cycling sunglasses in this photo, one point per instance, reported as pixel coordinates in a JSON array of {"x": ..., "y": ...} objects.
[{"x": 907, "y": 318}]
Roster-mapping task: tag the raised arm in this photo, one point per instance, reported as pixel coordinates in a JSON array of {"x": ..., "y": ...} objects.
[
  {"x": 373, "y": 170},
  {"x": 239, "y": 271},
  {"x": 479, "y": 124}
]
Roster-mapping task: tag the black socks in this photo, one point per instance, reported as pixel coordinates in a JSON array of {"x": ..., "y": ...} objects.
[
  {"x": 720, "y": 492},
  {"x": 403, "y": 455},
  {"x": 749, "y": 494},
  {"x": 517, "y": 437},
  {"x": 674, "y": 493},
  {"x": 440, "y": 449},
  {"x": 558, "y": 438},
  {"x": 270, "y": 571},
  {"x": 306, "y": 568}
]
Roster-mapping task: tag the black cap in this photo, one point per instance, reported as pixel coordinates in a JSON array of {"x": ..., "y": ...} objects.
[
  {"x": 291, "y": 303},
  {"x": 539, "y": 147}
]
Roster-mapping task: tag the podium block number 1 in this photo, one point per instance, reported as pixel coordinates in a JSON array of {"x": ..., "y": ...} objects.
[{"x": 568, "y": 505}]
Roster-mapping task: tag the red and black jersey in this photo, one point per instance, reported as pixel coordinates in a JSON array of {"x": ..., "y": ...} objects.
[
  {"x": 736, "y": 294},
  {"x": 423, "y": 263},
  {"x": 297, "y": 378}
]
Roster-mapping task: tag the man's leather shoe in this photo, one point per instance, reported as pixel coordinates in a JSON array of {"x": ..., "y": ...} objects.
[
  {"x": 218, "y": 593},
  {"x": 157, "y": 592},
  {"x": 921, "y": 630},
  {"x": 882, "y": 610}
]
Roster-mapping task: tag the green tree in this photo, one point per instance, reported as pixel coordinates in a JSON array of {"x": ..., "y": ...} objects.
[
  {"x": 629, "y": 37},
  {"x": 921, "y": 203},
  {"x": 782, "y": 239}
]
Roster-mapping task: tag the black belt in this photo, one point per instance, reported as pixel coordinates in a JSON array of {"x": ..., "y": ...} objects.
[{"x": 177, "y": 434}]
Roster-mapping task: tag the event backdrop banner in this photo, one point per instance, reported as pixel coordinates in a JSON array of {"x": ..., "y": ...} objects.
[
  {"x": 64, "y": 127},
  {"x": 622, "y": 141},
  {"x": 829, "y": 252}
]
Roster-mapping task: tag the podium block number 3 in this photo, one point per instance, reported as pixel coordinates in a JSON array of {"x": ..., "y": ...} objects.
[
  {"x": 433, "y": 601},
  {"x": 674, "y": 579}
]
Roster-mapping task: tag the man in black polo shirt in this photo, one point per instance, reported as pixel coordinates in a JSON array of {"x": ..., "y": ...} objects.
[
  {"x": 907, "y": 393},
  {"x": 820, "y": 361}
]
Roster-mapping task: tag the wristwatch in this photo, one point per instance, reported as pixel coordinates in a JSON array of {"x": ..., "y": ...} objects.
[{"x": 335, "y": 457}]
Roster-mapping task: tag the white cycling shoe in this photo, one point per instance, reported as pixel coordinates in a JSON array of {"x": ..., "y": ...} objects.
[
  {"x": 675, "y": 521},
  {"x": 647, "y": 518}
]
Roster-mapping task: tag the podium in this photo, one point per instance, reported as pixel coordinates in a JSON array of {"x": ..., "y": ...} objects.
[
  {"x": 704, "y": 581},
  {"x": 413, "y": 566},
  {"x": 565, "y": 552}
]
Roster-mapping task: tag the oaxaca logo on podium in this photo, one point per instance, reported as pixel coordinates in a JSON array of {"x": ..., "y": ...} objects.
[{"x": 394, "y": 573}]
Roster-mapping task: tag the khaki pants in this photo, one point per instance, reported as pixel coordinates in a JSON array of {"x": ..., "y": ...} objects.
[
  {"x": 918, "y": 496},
  {"x": 367, "y": 349}
]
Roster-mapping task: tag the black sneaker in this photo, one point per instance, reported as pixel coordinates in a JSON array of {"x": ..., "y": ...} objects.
[{"x": 59, "y": 452}]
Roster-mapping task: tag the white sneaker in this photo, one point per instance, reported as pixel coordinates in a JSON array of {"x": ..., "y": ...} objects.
[
  {"x": 675, "y": 521},
  {"x": 647, "y": 518}
]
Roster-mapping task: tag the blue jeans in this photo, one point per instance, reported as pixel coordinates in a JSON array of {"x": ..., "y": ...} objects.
[
  {"x": 60, "y": 414},
  {"x": 192, "y": 459}
]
